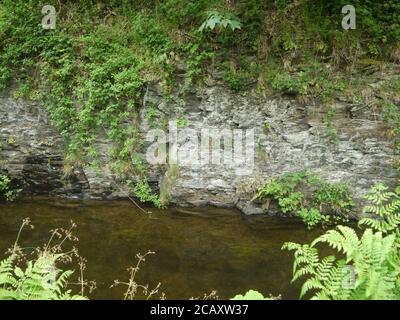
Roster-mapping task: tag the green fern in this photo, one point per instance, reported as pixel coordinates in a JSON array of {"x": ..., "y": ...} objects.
[
  {"x": 41, "y": 280},
  {"x": 373, "y": 258},
  {"x": 385, "y": 206},
  {"x": 7, "y": 279}
]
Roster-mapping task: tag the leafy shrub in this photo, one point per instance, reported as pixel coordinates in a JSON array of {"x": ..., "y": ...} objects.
[
  {"x": 312, "y": 199},
  {"x": 222, "y": 20},
  {"x": 238, "y": 80},
  {"x": 312, "y": 217},
  {"x": 311, "y": 78},
  {"x": 333, "y": 198},
  {"x": 144, "y": 193},
  {"x": 6, "y": 192}
]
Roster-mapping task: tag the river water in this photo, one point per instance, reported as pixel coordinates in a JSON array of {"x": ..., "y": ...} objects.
[{"x": 197, "y": 250}]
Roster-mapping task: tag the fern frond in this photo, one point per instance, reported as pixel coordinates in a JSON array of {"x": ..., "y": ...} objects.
[
  {"x": 345, "y": 240},
  {"x": 41, "y": 280}
]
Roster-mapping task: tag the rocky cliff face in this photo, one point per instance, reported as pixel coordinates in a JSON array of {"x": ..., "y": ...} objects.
[{"x": 288, "y": 137}]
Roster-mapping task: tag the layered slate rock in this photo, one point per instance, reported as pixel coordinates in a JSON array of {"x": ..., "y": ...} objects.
[{"x": 289, "y": 136}]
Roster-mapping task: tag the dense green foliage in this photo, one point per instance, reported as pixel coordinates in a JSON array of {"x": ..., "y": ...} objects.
[
  {"x": 311, "y": 198},
  {"x": 370, "y": 267}
]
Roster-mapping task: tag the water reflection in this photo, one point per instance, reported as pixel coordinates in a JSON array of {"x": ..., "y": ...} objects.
[{"x": 197, "y": 250}]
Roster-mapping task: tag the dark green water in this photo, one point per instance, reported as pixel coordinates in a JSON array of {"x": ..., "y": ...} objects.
[{"x": 197, "y": 250}]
